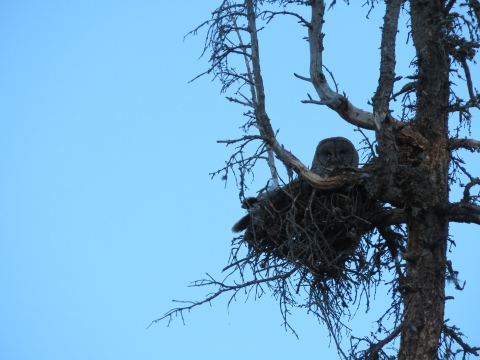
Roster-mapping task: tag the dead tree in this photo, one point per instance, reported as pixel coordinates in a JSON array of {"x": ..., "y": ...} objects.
[{"x": 401, "y": 228}]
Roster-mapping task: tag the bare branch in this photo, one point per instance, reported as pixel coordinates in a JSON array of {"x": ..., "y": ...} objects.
[
  {"x": 239, "y": 101},
  {"x": 247, "y": 61},
  {"x": 469, "y": 144},
  {"x": 243, "y": 138},
  {"x": 223, "y": 288},
  {"x": 269, "y": 15},
  {"x": 302, "y": 77},
  {"x": 375, "y": 348},
  {"x": 467, "y": 198},
  {"x": 468, "y": 77},
  {"x": 409, "y": 87},
  {"x": 460, "y": 212},
  {"x": 451, "y": 331},
  {"x": 475, "y": 6},
  {"x": 254, "y": 92},
  {"x": 449, "y": 6},
  {"x": 387, "y": 63},
  {"x": 343, "y": 107},
  {"x": 325, "y": 102},
  {"x": 266, "y": 128},
  {"x": 453, "y": 276},
  {"x": 387, "y": 128}
]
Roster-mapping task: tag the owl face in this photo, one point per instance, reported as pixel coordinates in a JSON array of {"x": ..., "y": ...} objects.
[{"x": 333, "y": 154}]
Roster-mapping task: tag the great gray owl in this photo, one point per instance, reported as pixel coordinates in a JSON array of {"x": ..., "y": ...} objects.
[{"x": 333, "y": 154}]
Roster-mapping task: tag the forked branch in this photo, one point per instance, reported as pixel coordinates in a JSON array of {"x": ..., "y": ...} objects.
[
  {"x": 386, "y": 80},
  {"x": 452, "y": 332},
  {"x": 222, "y": 288},
  {"x": 375, "y": 348},
  {"x": 342, "y": 106}
]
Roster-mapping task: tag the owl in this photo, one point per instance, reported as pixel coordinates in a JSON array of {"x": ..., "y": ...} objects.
[{"x": 333, "y": 154}]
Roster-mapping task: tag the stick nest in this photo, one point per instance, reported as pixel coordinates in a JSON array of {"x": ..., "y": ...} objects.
[{"x": 317, "y": 229}]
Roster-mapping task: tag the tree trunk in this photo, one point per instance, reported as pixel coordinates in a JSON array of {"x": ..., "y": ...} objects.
[{"x": 424, "y": 287}]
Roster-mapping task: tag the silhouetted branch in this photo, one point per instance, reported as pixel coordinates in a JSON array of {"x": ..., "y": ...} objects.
[
  {"x": 386, "y": 80},
  {"x": 452, "y": 332},
  {"x": 453, "y": 276},
  {"x": 223, "y": 288},
  {"x": 409, "y": 87},
  {"x": 375, "y": 348},
  {"x": 468, "y": 77},
  {"x": 302, "y": 77},
  {"x": 243, "y": 138},
  {"x": 384, "y": 122},
  {"x": 475, "y": 6},
  {"x": 269, "y": 15},
  {"x": 460, "y": 212},
  {"x": 449, "y": 6},
  {"x": 342, "y": 106},
  {"x": 324, "y": 102},
  {"x": 263, "y": 121},
  {"x": 469, "y": 144}
]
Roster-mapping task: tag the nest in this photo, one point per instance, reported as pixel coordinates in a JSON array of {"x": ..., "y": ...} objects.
[{"x": 318, "y": 229}]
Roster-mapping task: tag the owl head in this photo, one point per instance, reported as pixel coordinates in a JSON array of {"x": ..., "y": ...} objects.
[{"x": 333, "y": 154}]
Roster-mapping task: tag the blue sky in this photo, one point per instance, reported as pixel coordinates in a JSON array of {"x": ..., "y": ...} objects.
[{"x": 107, "y": 209}]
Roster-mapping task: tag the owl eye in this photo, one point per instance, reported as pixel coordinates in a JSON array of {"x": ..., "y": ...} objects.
[
  {"x": 342, "y": 153},
  {"x": 328, "y": 154}
]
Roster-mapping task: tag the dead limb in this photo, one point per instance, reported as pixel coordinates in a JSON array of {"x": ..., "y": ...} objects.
[
  {"x": 469, "y": 144},
  {"x": 453, "y": 333},
  {"x": 460, "y": 212},
  {"x": 223, "y": 288},
  {"x": 375, "y": 348},
  {"x": 342, "y": 106}
]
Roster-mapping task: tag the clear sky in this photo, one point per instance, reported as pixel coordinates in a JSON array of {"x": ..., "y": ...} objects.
[{"x": 107, "y": 209}]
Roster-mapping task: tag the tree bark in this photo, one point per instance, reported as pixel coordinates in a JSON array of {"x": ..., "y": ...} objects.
[{"x": 424, "y": 287}]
